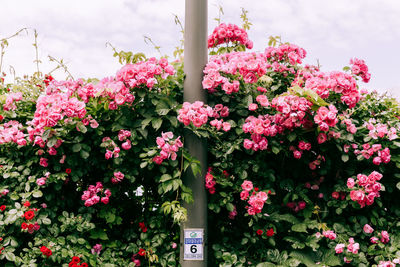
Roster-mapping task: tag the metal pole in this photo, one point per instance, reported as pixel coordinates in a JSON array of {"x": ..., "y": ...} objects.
[{"x": 195, "y": 59}]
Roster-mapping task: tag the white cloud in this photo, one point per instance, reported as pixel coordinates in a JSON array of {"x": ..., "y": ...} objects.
[{"x": 331, "y": 31}]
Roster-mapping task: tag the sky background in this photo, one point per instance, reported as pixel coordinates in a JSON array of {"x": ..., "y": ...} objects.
[{"x": 77, "y": 31}]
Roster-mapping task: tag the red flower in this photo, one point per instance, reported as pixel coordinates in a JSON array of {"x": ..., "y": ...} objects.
[
  {"x": 143, "y": 227},
  {"x": 30, "y": 226},
  {"x": 43, "y": 249},
  {"x": 142, "y": 252},
  {"x": 256, "y": 189},
  {"x": 24, "y": 226},
  {"x": 335, "y": 195},
  {"x": 75, "y": 259},
  {"x": 1, "y": 118},
  {"x": 84, "y": 264},
  {"x": 29, "y": 215},
  {"x": 270, "y": 232},
  {"x": 225, "y": 173},
  {"x": 259, "y": 232},
  {"x": 27, "y": 204},
  {"x": 47, "y": 253},
  {"x": 68, "y": 170},
  {"x": 2, "y": 207}
]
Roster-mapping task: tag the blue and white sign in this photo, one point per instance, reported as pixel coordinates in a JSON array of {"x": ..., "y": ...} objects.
[{"x": 193, "y": 244}]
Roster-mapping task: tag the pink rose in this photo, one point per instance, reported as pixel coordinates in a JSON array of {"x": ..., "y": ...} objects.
[
  {"x": 339, "y": 248},
  {"x": 247, "y": 185},
  {"x": 368, "y": 229},
  {"x": 41, "y": 181},
  {"x": 350, "y": 183}
]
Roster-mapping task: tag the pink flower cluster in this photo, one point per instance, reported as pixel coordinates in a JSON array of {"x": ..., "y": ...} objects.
[
  {"x": 145, "y": 72},
  {"x": 256, "y": 199},
  {"x": 368, "y": 188},
  {"x": 244, "y": 66},
  {"x": 329, "y": 234},
  {"x": 359, "y": 68},
  {"x": 326, "y": 118},
  {"x": 118, "y": 177},
  {"x": 286, "y": 53},
  {"x": 12, "y": 132},
  {"x": 338, "y": 82},
  {"x": 11, "y": 99},
  {"x": 383, "y": 155},
  {"x": 350, "y": 127},
  {"x": 196, "y": 113},
  {"x": 4, "y": 193},
  {"x": 168, "y": 147},
  {"x": 296, "y": 207},
  {"x": 50, "y": 109},
  {"x": 315, "y": 163},
  {"x": 258, "y": 127},
  {"x": 292, "y": 114},
  {"x": 91, "y": 198},
  {"x": 225, "y": 33},
  {"x": 389, "y": 263},
  {"x": 384, "y": 235},
  {"x": 220, "y": 111},
  {"x": 42, "y": 180},
  {"x": 112, "y": 150},
  {"x": 123, "y": 136},
  {"x": 116, "y": 92},
  {"x": 293, "y": 109},
  {"x": 210, "y": 181},
  {"x": 352, "y": 247},
  {"x": 380, "y": 130},
  {"x": 302, "y": 146}
]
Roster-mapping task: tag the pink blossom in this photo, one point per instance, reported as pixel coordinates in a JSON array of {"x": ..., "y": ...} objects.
[
  {"x": 385, "y": 237},
  {"x": 339, "y": 248},
  {"x": 247, "y": 185},
  {"x": 41, "y": 181},
  {"x": 350, "y": 183},
  {"x": 329, "y": 234},
  {"x": 368, "y": 229}
]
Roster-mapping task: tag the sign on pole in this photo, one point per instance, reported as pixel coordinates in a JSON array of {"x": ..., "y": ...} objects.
[{"x": 193, "y": 244}]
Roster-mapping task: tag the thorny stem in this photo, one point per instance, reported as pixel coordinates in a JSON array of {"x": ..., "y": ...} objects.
[
  {"x": 148, "y": 40},
  {"x": 61, "y": 65},
  {"x": 37, "y": 53},
  {"x": 181, "y": 171},
  {"x": 4, "y": 44}
]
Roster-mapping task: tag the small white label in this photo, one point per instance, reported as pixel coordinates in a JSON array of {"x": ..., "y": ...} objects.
[{"x": 193, "y": 244}]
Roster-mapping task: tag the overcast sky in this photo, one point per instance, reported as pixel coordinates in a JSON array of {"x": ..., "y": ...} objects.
[{"x": 77, "y": 31}]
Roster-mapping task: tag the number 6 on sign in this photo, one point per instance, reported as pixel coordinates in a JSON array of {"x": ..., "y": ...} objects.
[{"x": 193, "y": 244}]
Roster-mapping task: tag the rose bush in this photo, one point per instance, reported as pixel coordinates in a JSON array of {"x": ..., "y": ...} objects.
[{"x": 302, "y": 163}]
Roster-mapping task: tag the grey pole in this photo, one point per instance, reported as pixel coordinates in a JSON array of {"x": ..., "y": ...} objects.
[{"x": 195, "y": 59}]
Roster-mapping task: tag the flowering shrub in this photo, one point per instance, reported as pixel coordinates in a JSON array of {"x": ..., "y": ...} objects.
[{"x": 303, "y": 165}]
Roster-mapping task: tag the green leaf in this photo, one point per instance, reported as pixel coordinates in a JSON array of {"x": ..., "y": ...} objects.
[
  {"x": 76, "y": 147},
  {"x": 84, "y": 154},
  {"x": 82, "y": 128},
  {"x": 300, "y": 227},
  {"x": 304, "y": 258},
  {"x": 37, "y": 193},
  {"x": 165, "y": 177},
  {"x": 145, "y": 122},
  {"x": 163, "y": 111},
  {"x": 156, "y": 123},
  {"x": 275, "y": 149}
]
